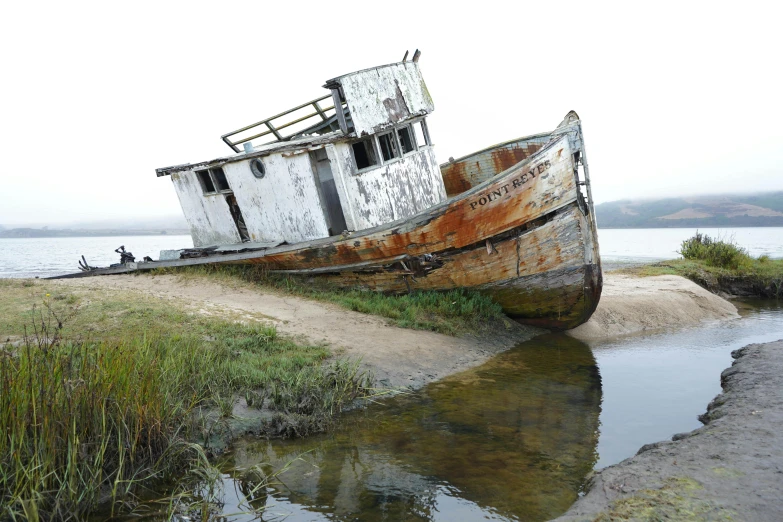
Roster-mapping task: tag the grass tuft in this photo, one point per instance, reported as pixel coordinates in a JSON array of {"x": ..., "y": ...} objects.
[
  {"x": 721, "y": 266},
  {"x": 715, "y": 252}
]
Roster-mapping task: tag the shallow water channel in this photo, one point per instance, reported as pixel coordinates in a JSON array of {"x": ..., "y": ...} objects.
[{"x": 510, "y": 440}]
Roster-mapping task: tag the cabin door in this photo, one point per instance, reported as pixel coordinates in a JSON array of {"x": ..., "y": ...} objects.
[{"x": 330, "y": 199}]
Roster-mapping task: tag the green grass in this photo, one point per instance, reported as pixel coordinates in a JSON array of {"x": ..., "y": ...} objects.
[
  {"x": 715, "y": 252},
  {"x": 451, "y": 312},
  {"x": 722, "y": 265},
  {"x": 100, "y": 393}
]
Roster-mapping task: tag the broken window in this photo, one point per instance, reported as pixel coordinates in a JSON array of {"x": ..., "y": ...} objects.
[
  {"x": 213, "y": 180},
  {"x": 420, "y": 131},
  {"x": 206, "y": 181},
  {"x": 388, "y": 144},
  {"x": 406, "y": 139},
  {"x": 364, "y": 154},
  {"x": 220, "y": 179}
]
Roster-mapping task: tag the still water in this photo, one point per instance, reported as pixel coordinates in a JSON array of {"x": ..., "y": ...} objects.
[
  {"x": 513, "y": 439},
  {"x": 43, "y": 257},
  {"x": 651, "y": 244}
]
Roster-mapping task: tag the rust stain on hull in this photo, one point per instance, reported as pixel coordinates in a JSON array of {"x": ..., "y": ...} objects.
[
  {"x": 543, "y": 267},
  {"x": 466, "y": 173}
]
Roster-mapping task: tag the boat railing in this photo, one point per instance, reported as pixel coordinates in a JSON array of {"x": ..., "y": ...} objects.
[{"x": 321, "y": 115}]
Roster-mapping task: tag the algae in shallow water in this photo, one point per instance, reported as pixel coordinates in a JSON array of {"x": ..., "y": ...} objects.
[{"x": 676, "y": 500}]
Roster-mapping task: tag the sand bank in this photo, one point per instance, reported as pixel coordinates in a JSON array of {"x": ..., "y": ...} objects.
[
  {"x": 411, "y": 358},
  {"x": 632, "y": 305},
  {"x": 729, "y": 469},
  {"x": 398, "y": 357}
]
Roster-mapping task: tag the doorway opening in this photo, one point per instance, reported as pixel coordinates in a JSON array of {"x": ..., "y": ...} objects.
[
  {"x": 236, "y": 214},
  {"x": 330, "y": 199}
]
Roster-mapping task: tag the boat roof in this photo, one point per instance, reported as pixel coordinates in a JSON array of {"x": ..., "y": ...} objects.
[{"x": 295, "y": 144}]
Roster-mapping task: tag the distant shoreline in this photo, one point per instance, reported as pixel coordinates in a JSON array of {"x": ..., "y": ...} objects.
[
  {"x": 679, "y": 225},
  {"x": 32, "y": 233}
]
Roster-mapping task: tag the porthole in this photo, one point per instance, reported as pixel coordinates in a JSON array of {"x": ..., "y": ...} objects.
[{"x": 257, "y": 166}]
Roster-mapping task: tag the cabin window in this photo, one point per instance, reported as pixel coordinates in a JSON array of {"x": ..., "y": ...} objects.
[
  {"x": 258, "y": 169},
  {"x": 206, "y": 181},
  {"x": 421, "y": 134},
  {"x": 220, "y": 179},
  {"x": 364, "y": 154},
  {"x": 406, "y": 139},
  {"x": 213, "y": 180},
  {"x": 389, "y": 149}
]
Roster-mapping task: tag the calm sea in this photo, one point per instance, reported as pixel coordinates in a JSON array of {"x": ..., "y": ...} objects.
[
  {"x": 650, "y": 244},
  {"x": 53, "y": 256},
  {"x": 44, "y": 257}
]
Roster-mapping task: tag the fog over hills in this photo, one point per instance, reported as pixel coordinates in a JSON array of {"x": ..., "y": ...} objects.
[
  {"x": 173, "y": 224},
  {"x": 745, "y": 210}
]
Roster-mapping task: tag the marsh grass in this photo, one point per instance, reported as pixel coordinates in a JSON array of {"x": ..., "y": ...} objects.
[
  {"x": 720, "y": 265},
  {"x": 92, "y": 415},
  {"x": 451, "y": 312}
]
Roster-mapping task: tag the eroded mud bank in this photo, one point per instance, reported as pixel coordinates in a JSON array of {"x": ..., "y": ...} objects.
[{"x": 729, "y": 469}]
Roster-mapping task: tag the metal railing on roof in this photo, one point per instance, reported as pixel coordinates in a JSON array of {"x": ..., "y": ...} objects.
[{"x": 273, "y": 129}]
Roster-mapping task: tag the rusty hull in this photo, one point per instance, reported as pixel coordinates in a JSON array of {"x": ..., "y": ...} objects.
[
  {"x": 468, "y": 171},
  {"x": 523, "y": 236}
]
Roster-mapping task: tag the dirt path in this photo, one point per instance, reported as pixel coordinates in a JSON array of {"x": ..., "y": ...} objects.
[
  {"x": 397, "y": 356},
  {"x": 631, "y": 305},
  {"x": 729, "y": 469}
]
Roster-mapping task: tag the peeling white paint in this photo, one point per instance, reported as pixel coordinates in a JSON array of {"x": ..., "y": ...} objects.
[
  {"x": 381, "y": 97},
  {"x": 287, "y": 204},
  {"x": 282, "y": 206},
  {"x": 399, "y": 189},
  {"x": 208, "y": 217}
]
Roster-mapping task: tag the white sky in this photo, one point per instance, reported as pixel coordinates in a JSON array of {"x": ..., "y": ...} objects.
[{"x": 675, "y": 98}]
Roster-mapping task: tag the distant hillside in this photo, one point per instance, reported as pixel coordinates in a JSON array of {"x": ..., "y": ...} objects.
[
  {"x": 131, "y": 226},
  {"x": 754, "y": 210}
]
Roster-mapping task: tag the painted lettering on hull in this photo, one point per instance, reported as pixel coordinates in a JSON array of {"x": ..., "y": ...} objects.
[{"x": 517, "y": 182}]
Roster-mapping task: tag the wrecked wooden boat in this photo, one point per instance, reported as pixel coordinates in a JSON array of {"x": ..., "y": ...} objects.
[{"x": 349, "y": 190}]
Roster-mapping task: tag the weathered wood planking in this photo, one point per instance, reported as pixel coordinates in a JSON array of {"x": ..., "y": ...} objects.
[
  {"x": 468, "y": 171},
  {"x": 396, "y": 93},
  {"x": 537, "y": 276}
]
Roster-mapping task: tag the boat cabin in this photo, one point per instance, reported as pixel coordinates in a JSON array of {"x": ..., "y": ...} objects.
[{"x": 356, "y": 158}]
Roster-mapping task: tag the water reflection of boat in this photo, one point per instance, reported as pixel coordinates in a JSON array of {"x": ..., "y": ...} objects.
[{"x": 512, "y": 439}]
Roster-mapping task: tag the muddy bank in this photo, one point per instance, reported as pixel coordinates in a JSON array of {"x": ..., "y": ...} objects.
[
  {"x": 729, "y": 469},
  {"x": 398, "y": 357},
  {"x": 631, "y": 305}
]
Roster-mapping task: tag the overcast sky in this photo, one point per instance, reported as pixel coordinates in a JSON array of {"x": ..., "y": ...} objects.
[{"x": 676, "y": 98}]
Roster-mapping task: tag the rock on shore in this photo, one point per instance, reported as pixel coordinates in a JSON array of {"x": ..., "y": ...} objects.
[{"x": 729, "y": 469}]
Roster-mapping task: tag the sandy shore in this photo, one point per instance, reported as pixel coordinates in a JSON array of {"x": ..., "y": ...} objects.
[
  {"x": 400, "y": 357},
  {"x": 729, "y": 469},
  {"x": 632, "y": 305}
]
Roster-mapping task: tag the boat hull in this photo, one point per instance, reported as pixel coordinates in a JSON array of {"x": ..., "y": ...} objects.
[{"x": 524, "y": 236}]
